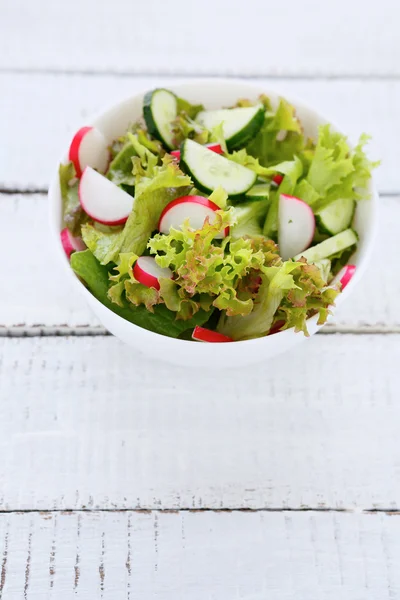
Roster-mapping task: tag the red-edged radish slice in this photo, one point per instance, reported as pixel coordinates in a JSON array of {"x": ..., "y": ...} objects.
[
  {"x": 194, "y": 208},
  {"x": 296, "y": 226},
  {"x": 201, "y": 334},
  {"x": 89, "y": 149},
  {"x": 148, "y": 272},
  {"x": 103, "y": 200},
  {"x": 344, "y": 275},
  {"x": 214, "y": 147},
  {"x": 278, "y": 178},
  {"x": 71, "y": 243},
  {"x": 276, "y": 328}
]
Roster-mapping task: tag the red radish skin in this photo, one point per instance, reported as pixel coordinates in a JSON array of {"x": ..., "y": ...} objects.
[
  {"x": 102, "y": 200},
  {"x": 214, "y": 147},
  {"x": 278, "y": 178},
  {"x": 296, "y": 226},
  {"x": 147, "y": 272},
  {"x": 277, "y": 327},
  {"x": 89, "y": 149},
  {"x": 185, "y": 207},
  {"x": 201, "y": 334},
  {"x": 345, "y": 275},
  {"x": 71, "y": 243}
]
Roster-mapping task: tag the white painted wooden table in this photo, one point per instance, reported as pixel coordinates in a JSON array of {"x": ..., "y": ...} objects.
[{"x": 120, "y": 478}]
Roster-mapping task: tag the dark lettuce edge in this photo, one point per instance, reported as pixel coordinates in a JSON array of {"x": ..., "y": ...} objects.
[{"x": 162, "y": 321}]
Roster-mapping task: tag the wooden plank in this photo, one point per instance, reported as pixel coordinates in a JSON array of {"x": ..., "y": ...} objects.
[
  {"x": 47, "y": 299},
  {"x": 86, "y": 422},
  {"x": 58, "y": 105},
  {"x": 247, "y": 38},
  {"x": 252, "y": 556}
]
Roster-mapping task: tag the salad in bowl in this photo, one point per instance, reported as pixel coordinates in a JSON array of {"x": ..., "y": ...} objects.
[{"x": 216, "y": 224}]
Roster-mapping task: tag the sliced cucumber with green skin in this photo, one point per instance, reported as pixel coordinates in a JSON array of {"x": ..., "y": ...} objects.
[
  {"x": 258, "y": 192},
  {"x": 160, "y": 108},
  {"x": 336, "y": 217},
  {"x": 240, "y": 125},
  {"x": 209, "y": 170},
  {"x": 333, "y": 245}
]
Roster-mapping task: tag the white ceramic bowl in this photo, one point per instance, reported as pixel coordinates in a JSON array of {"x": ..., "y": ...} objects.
[{"x": 213, "y": 93}]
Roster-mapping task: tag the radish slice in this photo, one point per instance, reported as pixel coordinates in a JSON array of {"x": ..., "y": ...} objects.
[
  {"x": 278, "y": 178},
  {"x": 214, "y": 147},
  {"x": 201, "y": 334},
  {"x": 276, "y": 328},
  {"x": 89, "y": 149},
  {"x": 344, "y": 275},
  {"x": 296, "y": 226},
  {"x": 194, "y": 208},
  {"x": 148, "y": 272},
  {"x": 103, "y": 200},
  {"x": 71, "y": 243}
]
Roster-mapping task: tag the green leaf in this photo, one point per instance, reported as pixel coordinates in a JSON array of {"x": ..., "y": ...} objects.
[
  {"x": 206, "y": 268},
  {"x": 103, "y": 244},
  {"x": 161, "y": 321},
  {"x": 249, "y": 218},
  {"x": 290, "y": 292},
  {"x": 152, "y": 196},
  {"x": 73, "y": 214},
  {"x": 121, "y": 167}
]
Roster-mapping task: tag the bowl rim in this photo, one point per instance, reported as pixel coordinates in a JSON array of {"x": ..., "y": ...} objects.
[{"x": 255, "y": 86}]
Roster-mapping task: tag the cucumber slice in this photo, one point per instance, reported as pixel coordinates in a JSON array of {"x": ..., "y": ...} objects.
[
  {"x": 258, "y": 192},
  {"x": 160, "y": 108},
  {"x": 333, "y": 245},
  {"x": 240, "y": 125},
  {"x": 209, "y": 170},
  {"x": 336, "y": 217}
]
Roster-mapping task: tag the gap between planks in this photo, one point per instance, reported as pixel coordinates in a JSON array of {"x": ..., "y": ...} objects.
[
  {"x": 176, "y": 511},
  {"x": 20, "y": 331}
]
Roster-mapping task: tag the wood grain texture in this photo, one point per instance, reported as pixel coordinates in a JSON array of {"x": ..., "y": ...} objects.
[
  {"x": 59, "y": 105},
  {"x": 87, "y": 422},
  {"x": 255, "y": 37},
  {"x": 136, "y": 556},
  {"x": 48, "y": 300}
]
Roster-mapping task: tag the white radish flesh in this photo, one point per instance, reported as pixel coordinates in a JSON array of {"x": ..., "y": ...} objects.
[
  {"x": 148, "y": 272},
  {"x": 296, "y": 226},
  {"x": 196, "y": 209},
  {"x": 102, "y": 200},
  {"x": 89, "y": 149},
  {"x": 71, "y": 243}
]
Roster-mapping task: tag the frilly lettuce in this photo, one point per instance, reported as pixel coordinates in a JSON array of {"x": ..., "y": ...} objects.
[
  {"x": 73, "y": 213},
  {"x": 289, "y": 292},
  {"x": 161, "y": 320},
  {"x": 155, "y": 186},
  {"x": 206, "y": 270},
  {"x": 336, "y": 171}
]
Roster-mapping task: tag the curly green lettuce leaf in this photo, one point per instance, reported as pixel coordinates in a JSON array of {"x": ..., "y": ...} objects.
[
  {"x": 249, "y": 219},
  {"x": 155, "y": 187},
  {"x": 336, "y": 171},
  {"x": 152, "y": 196},
  {"x": 202, "y": 266},
  {"x": 280, "y": 138},
  {"x": 184, "y": 126},
  {"x": 289, "y": 293},
  {"x": 120, "y": 170},
  {"x": 73, "y": 213},
  {"x": 161, "y": 321},
  {"x": 104, "y": 244}
]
